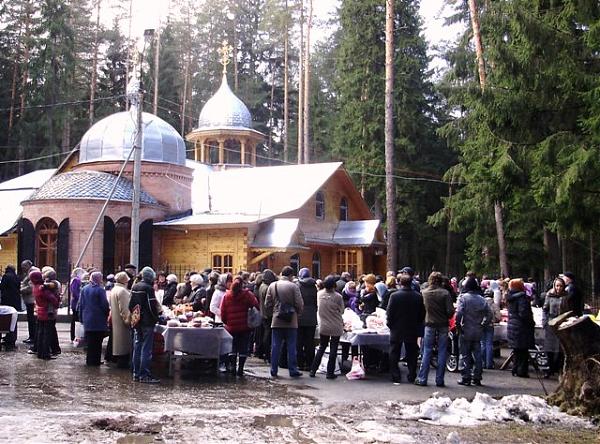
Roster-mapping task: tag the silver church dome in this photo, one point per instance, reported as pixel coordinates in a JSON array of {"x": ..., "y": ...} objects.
[
  {"x": 112, "y": 138},
  {"x": 224, "y": 110}
]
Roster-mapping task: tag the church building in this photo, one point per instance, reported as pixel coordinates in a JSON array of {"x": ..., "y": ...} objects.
[{"x": 217, "y": 211}]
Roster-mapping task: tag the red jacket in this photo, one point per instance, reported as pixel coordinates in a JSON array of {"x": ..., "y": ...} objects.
[
  {"x": 234, "y": 310},
  {"x": 45, "y": 298}
]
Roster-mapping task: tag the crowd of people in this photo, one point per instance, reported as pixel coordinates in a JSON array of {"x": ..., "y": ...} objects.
[{"x": 127, "y": 306}]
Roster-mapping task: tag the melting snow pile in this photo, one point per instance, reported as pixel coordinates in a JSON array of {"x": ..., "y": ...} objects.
[{"x": 460, "y": 412}]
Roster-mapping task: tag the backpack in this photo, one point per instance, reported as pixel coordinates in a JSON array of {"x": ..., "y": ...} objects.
[{"x": 135, "y": 316}]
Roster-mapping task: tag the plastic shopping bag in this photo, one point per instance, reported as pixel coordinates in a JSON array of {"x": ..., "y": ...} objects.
[
  {"x": 325, "y": 360},
  {"x": 79, "y": 340},
  {"x": 357, "y": 371}
]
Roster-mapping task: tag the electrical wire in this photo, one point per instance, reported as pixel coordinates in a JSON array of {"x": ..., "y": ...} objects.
[{"x": 53, "y": 105}]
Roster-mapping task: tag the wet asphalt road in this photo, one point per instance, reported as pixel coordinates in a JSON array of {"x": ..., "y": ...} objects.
[{"x": 64, "y": 401}]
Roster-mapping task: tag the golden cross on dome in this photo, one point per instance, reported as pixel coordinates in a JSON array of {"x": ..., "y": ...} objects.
[{"x": 225, "y": 51}]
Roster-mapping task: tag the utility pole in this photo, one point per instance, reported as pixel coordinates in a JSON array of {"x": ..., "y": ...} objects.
[{"x": 136, "y": 94}]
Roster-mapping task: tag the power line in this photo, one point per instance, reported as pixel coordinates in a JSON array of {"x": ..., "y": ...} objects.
[{"x": 53, "y": 105}]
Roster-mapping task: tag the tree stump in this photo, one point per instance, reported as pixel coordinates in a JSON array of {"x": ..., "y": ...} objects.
[{"x": 578, "y": 391}]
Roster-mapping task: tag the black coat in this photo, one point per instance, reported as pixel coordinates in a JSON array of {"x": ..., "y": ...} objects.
[
  {"x": 521, "y": 326},
  {"x": 142, "y": 293},
  {"x": 10, "y": 289},
  {"x": 308, "y": 290},
  {"x": 170, "y": 291},
  {"x": 572, "y": 301},
  {"x": 405, "y": 315}
]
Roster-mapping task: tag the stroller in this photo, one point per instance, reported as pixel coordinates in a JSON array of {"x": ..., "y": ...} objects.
[{"x": 453, "y": 361}]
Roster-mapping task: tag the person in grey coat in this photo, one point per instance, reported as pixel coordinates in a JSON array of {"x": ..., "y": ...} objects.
[
  {"x": 551, "y": 309},
  {"x": 331, "y": 325},
  {"x": 472, "y": 314},
  {"x": 284, "y": 301}
]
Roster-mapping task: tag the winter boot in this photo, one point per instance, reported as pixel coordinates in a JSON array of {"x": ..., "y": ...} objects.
[
  {"x": 241, "y": 363},
  {"x": 231, "y": 364}
]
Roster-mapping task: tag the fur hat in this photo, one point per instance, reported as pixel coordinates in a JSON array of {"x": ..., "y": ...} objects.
[
  {"x": 148, "y": 274},
  {"x": 172, "y": 278}
]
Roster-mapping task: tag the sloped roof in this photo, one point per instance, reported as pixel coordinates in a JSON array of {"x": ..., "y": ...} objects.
[
  {"x": 89, "y": 185},
  {"x": 264, "y": 192},
  {"x": 14, "y": 191},
  {"x": 276, "y": 233},
  {"x": 356, "y": 232}
]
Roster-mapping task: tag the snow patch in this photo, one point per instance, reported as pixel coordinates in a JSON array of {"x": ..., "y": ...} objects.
[
  {"x": 442, "y": 410},
  {"x": 373, "y": 431}
]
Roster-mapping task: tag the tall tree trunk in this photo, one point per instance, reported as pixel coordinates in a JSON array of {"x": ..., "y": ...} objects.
[
  {"x": 498, "y": 216},
  {"x": 94, "y": 64},
  {"x": 13, "y": 97},
  {"x": 390, "y": 186},
  {"x": 286, "y": 100},
  {"x": 306, "y": 122},
  {"x": 128, "y": 53},
  {"x": 271, "y": 102},
  {"x": 24, "y": 78},
  {"x": 552, "y": 253},
  {"x": 592, "y": 267},
  {"x": 448, "y": 259},
  {"x": 301, "y": 85},
  {"x": 156, "y": 71}
]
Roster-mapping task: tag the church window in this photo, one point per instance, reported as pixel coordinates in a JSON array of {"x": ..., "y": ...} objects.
[
  {"x": 295, "y": 263},
  {"x": 320, "y": 205},
  {"x": 343, "y": 209},
  {"x": 347, "y": 260},
  {"x": 122, "y": 242},
  {"x": 316, "y": 265},
  {"x": 46, "y": 242},
  {"x": 222, "y": 262}
]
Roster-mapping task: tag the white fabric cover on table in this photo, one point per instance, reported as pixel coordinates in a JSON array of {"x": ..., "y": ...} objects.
[
  {"x": 8, "y": 310},
  {"x": 209, "y": 343}
]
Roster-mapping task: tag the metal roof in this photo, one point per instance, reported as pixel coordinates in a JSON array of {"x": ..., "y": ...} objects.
[
  {"x": 14, "y": 191},
  {"x": 356, "y": 232},
  {"x": 276, "y": 233},
  {"x": 205, "y": 219},
  {"x": 112, "y": 138},
  {"x": 264, "y": 192},
  {"x": 89, "y": 185},
  {"x": 224, "y": 110}
]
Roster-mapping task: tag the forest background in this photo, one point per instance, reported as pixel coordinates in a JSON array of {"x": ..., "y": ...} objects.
[{"x": 520, "y": 154}]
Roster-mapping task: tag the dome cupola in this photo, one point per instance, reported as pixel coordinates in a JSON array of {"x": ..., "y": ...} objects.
[
  {"x": 224, "y": 110},
  {"x": 111, "y": 139}
]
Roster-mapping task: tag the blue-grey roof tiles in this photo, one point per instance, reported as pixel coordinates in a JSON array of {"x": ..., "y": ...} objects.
[{"x": 89, "y": 185}]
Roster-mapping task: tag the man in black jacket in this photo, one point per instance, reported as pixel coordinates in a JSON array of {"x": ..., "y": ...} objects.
[
  {"x": 405, "y": 316},
  {"x": 307, "y": 322},
  {"x": 144, "y": 302},
  {"x": 11, "y": 295}
]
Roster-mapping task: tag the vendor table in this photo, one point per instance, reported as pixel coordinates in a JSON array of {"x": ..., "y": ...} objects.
[
  {"x": 8, "y": 318},
  {"x": 194, "y": 343},
  {"x": 368, "y": 338}
]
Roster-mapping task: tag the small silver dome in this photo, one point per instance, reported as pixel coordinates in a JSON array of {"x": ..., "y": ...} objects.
[
  {"x": 112, "y": 138},
  {"x": 224, "y": 110}
]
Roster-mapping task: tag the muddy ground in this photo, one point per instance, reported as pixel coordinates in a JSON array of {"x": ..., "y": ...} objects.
[{"x": 64, "y": 401}]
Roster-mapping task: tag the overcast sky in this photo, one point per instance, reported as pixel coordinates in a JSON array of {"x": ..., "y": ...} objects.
[{"x": 147, "y": 13}]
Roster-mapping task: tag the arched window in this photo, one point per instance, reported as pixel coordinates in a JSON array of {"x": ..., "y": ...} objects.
[
  {"x": 295, "y": 263},
  {"x": 343, "y": 209},
  {"x": 46, "y": 239},
  {"x": 122, "y": 242},
  {"x": 320, "y": 205},
  {"x": 316, "y": 265}
]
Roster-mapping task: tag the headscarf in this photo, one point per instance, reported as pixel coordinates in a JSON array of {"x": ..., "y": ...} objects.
[
  {"x": 172, "y": 278},
  {"x": 122, "y": 278},
  {"x": 77, "y": 273},
  {"x": 304, "y": 273},
  {"x": 96, "y": 278}
]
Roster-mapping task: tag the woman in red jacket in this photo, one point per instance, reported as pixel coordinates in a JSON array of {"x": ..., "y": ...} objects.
[
  {"x": 234, "y": 313},
  {"x": 46, "y": 303}
]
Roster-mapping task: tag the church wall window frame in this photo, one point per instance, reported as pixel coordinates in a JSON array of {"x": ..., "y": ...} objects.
[
  {"x": 295, "y": 263},
  {"x": 343, "y": 209},
  {"x": 347, "y": 260},
  {"x": 222, "y": 262},
  {"x": 320, "y": 205},
  {"x": 122, "y": 242},
  {"x": 316, "y": 265},
  {"x": 46, "y": 242}
]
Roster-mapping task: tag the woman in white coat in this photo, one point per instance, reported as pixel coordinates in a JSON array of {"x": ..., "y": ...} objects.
[{"x": 119, "y": 309}]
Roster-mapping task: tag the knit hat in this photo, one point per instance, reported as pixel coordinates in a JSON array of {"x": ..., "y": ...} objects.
[
  {"x": 96, "y": 278},
  {"x": 172, "y": 278},
  {"x": 148, "y": 274},
  {"x": 49, "y": 273},
  {"x": 36, "y": 277},
  {"x": 471, "y": 285},
  {"x": 304, "y": 273},
  {"x": 122, "y": 278}
]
